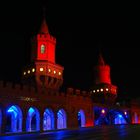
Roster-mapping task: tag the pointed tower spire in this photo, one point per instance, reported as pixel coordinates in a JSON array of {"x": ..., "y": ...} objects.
[
  {"x": 101, "y": 60},
  {"x": 44, "y": 27}
]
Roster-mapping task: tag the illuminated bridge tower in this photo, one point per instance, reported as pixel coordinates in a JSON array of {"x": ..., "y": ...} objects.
[
  {"x": 103, "y": 91},
  {"x": 43, "y": 72}
]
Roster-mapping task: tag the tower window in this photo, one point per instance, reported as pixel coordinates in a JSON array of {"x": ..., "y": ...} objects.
[{"x": 42, "y": 48}]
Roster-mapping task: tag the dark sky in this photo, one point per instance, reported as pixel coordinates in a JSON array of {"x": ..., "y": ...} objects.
[{"x": 81, "y": 28}]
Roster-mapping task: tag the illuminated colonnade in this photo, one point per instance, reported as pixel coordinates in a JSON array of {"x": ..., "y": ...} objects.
[
  {"x": 58, "y": 120},
  {"x": 14, "y": 118}
]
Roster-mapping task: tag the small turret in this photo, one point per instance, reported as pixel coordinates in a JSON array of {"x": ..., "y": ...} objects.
[
  {"x": 102, "y": 72},
  {"x": 101, "y": 60},
  {"x": 102, "y": 90}
]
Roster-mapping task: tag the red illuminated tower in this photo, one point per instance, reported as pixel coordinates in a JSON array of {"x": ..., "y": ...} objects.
[
  {"x": 43, "y": 71},
  {"x": 102, "y": 89},
  {"x": 102, "y": 72}
]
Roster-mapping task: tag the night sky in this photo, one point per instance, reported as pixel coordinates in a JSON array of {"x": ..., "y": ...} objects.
[{"x": 80, "y": 29}]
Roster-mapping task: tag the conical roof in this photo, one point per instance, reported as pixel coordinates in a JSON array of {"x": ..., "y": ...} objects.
[
  {"x": 44, "y": 27},
  {"x": 101, "y": 60}
]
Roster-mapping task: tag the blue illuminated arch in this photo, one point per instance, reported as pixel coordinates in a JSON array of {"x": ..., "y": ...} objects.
[
  {"x": 61, "y": 119},
  {"x": 33, "y": 120},
  {"x": 136, "y": 118},
  {"x": 119, "y": 119},
  {"x": 0, "y": 120},
  {"x": 14, "y": 119},
  {"x": 101, "y": 116},
  {"x": 48, "y": 120},
  {"x": 81, "y": 118}
]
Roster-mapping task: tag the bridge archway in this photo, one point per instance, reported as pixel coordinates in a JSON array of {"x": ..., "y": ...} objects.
[
  {"x": 81, "y": 118},
  {"x": 61, "y": 119},
  {"x": 101, "y": 116},
  {"x": 14, "y": 119},
  {"x": 33, "y": 120},
  {"x": 136, "y": 118},
  {"x": 119, "y": 117},
  {"x": 48, "y": 120}
]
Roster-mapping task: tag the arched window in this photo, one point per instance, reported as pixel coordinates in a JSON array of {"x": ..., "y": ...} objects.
[
  {"x": 48, "y": 120},
  {"x": 81, "y": 118},
  {"x": 14, "y": 119},
  {"x": 61, "y": 119},
  {"x": 42, "y": 48},
  {"x": 33, "y": 120}
]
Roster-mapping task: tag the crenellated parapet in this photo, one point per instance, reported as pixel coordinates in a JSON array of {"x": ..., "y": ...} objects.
[
  {"x": 20, "y": 89},
  {"x": 77, "y": 92},
  {"x": 46, "y": 37},
  {"x": 12, "y": 88}
]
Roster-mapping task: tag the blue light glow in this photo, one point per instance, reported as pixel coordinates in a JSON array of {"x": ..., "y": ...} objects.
[
  {"x": 10, "y": 110},
  {"x": 48, "y": 120},
  {"x": 101, "y": 116},
  {"x": 119, "y": 119},
  {"x": 0, "y": 119},
  {"x": 31, "y": 111},
  {"x": 15, "y": 124},
  {"x": 136, "y": 118},
  {"x": 120, "y": 116},
  {"x": 81, "y": 118},
  {"x": 61, "y": 119},
  {"x": 33, "y": 120}
]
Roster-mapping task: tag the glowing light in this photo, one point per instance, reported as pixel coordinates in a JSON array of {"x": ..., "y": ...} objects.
[
  {"x": 61, "y": 119},
  {"x": 81, "y": 118},
  {"x": 125, "y": 113},
  {"x": 15, "y": 124},
  {"x": 24, "y": 73},
  {"x": 119, "y": 119},
  {"x": 136, "y": 118},
  {"x": 41, "y": 69},
  {"x": 120, "y": 116},
  {"x": 59, "y": 73},
  {"x": 97, "y": 90},
  {"x": 10, "y": 110},
  {"x": 48, "y": 120},
  {"x": 14, "y": 110},
  {"x": 31, "y": 110},
  {"x": 93, "y": 91},
  {"x": 29, "y": 71},
  {"x": 106, "y": 89},
  {"x": 49, "y": 70},
  {"x": 101, "y": 89},
  {"x": 33, "y": 69},
  {"x": 54, "y": 72},
  {"x": 33, "y": 120},
  {"x": 102, "y": 111}
]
